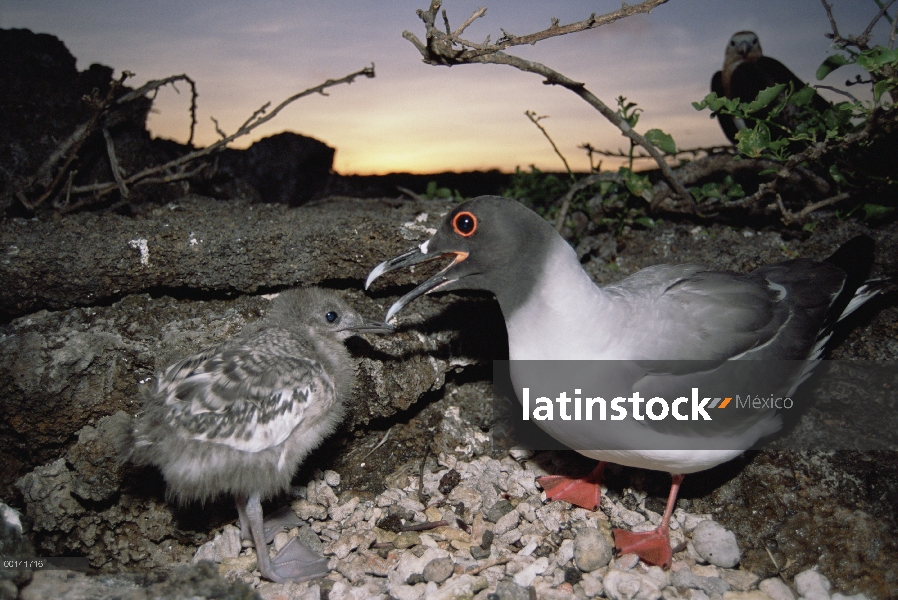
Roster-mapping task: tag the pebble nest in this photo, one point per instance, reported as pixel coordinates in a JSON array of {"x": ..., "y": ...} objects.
[{"x": 485, "y": 532}]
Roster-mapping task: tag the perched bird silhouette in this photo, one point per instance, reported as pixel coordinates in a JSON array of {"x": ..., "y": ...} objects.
[
  {"x": 783, "y": 313},
  {"x": 240, "y": 417},
  {"x": 746, "y": 72}
]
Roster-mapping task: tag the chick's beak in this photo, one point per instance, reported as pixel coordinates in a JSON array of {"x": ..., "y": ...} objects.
[{"x": 371, "y": 326}]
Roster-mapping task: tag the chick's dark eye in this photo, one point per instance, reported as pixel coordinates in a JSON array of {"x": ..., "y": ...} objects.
[
  {"x": 331, "y": 317},
  {"x": 464, "y": 224}
]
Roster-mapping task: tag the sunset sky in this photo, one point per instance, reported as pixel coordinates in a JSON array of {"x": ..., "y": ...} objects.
[{"x": 418, "y": 118}]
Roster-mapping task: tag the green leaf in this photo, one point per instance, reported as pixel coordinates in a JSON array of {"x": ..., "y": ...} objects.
[
  {"x": 875, "y": 211},
  {"x": 881, "y": 87},
  {"x": 662, "y": 140},
  {"x": 836, "y": 175},
  {"x": 831, "y": 64},
  {"x": 765, "y": 97},
  {"x": 639, "y": 185},
  {"x": 803, "y": 96},
  {"x": 646, "y": 222}
]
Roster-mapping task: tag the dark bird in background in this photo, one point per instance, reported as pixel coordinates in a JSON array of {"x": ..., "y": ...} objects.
[
  {"x": 746, "y": 72},
  {"x": 240, "y": 417},
  {"x": 780, "y": 313}
]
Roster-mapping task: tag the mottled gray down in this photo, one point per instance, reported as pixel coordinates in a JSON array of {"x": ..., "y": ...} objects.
[{"x": 240, "y": 417}]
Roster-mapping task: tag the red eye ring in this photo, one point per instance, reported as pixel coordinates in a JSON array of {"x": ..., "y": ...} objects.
[{"x": 464, "y": 224}]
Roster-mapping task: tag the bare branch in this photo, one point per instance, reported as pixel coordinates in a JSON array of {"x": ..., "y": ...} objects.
[
  {"x": 480, "y": 12},
  {"x": 860, "y": 42},
  {"x": 865, "y": 36},
  {"x": 450, "y": 49},
  {"x": 535, "y": 120},
  {"x": 155, "y": 84},
  {"x": 113, "y": 164},
  {"x": 69, "y": 148},
  {"x": 411, "y": 195},
  {"x": 680, "y": 152},
  {"x": 837, "y": 91}
]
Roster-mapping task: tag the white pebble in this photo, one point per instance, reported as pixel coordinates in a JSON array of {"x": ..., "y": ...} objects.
[
  {"x": 621, "y": 585},
  {"x": 525, "y": 576},
  {"x": 332, "y": 478},
  {"x": 776, "y": 588},
  {"x": 716, "y": 544},
  {"x": 811, "y": 585}
]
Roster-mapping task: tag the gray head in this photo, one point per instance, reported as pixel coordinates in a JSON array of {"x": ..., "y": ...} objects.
[
  {"x": 323, "y": 311},
  {"x": 498, "y": 245}
]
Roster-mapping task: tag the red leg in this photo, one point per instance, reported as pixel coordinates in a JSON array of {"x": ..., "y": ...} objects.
[
  {"x": 585, "y": 491},
  {"x": 651, "y": 546}
]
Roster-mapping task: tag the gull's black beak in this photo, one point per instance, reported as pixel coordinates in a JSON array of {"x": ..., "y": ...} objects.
[{"x": 408, "y": 259}]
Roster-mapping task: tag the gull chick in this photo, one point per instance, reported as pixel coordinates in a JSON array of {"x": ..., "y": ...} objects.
[{"x": 239, "y": 418}]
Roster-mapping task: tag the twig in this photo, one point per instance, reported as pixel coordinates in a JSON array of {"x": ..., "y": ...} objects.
[
  {"x": 836, "y": 90},
  {"x": 379, "y": 444},
  {"x": 817, "y": 205},
  {"x": 155, "y": 84},
  {"x": 425, "y": 526},
  {"x": 113, "y": 164},
  {"x": 421, "y": 498},
  {"x": 680, "y": 151},
  {"x": 74, "y": 143},
  {"x": 493, "y": 563},
  {"x": 864, "y": 37},
  {"x": 409, "y": 193},
  {"x": 535, "y": 120}
]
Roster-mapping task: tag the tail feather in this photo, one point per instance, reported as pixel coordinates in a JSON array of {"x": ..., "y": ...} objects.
[{"x": 855, "y": 259}]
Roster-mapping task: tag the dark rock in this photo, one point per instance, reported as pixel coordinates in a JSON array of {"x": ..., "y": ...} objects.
[
  {"x": 572, "y": 575},
  {"x": 286, "y": 168},
  {"x": 391, "y": 523},
  {"x": 449, "y": 481},
  {"x": 498, "y": 510},
  {"x": 487, "y": 539}
]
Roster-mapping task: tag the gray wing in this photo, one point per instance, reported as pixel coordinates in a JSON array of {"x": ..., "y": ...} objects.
[{"x": 775, "y": 312}]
